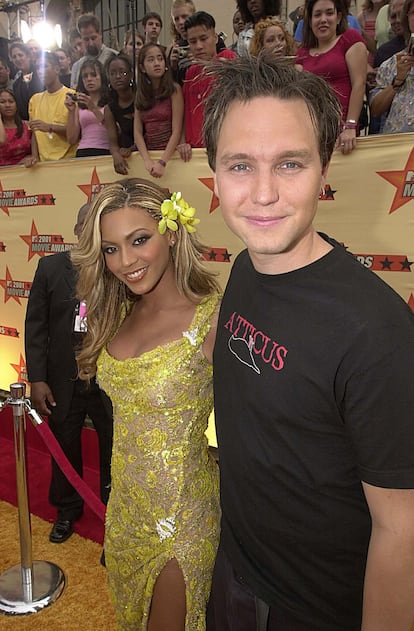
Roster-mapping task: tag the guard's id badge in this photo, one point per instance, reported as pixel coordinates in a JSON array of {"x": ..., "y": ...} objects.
[{"x": 80, "y": 325}]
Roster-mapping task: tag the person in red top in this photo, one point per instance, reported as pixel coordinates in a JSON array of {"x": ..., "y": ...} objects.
[
  {"x": 202, "y": 40},
  {"x": 339, "y": 55}
]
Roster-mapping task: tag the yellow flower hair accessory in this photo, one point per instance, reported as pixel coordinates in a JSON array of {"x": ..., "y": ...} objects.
[{"x": 176, "y": 209}]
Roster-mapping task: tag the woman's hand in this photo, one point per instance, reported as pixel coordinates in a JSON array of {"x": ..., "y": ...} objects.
[
  {"x": 184, "y": 149},
  {"x": 120, "y": 164},
  {"x": 29, "y": 161},
  {"x": 69, "y": 103},
  {"x": 347, "y": 141},
  {"x": 157, "y": 170},
  {"x": 404, "y": 64}
]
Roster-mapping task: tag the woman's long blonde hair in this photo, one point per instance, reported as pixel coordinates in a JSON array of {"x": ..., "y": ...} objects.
[{"x": 106, "y": 297}]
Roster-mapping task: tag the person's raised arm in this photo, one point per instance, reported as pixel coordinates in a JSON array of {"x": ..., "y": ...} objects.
[
  {"x": 384, "y": 96},
  {"x": 356, "y": 61},
  {"x": 177, "y": 104},
  {"x": 389, "y": 576},
  {"x": 3, "y": 136},
  {"x": 120, "y": 164},
  {"x": 140, "y": 142},
  {"x": 73, "y": 131}
]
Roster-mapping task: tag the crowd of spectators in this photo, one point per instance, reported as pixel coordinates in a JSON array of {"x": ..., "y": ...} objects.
[{"x": 90, "y": 99}]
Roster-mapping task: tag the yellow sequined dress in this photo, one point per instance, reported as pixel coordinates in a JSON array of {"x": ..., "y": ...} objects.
[{"x": 164, "y": 501}]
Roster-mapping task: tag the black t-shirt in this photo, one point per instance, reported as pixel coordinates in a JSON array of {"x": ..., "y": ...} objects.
[{"x": 313, "y": 393}]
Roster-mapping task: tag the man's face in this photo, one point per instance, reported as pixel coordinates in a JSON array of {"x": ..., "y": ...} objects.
[
  {"x": 202, "y": 42},
  {"x": 179, "y": 16},
  {"x": 92, "y": 41},
  {"x": 47, "y": 73},
  {"x": 268, "y": 181},
  {"x": 395, "y": 16},
  {"x": 64, "y": 61},
  {"x": 152, "y": 30}
]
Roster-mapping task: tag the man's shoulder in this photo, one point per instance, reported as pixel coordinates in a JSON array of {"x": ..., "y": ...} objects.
[
  {"x": 226, "y": 53},
  {"x": 54, "y": 261}
]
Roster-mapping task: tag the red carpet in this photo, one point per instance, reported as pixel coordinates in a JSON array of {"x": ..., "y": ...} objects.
[{"x": 38, "y": 474}]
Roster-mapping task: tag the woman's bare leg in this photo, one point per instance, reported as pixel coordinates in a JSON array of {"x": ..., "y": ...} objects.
[{"x": 168, "y": 607}]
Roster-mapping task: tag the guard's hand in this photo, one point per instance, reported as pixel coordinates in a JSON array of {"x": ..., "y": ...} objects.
[{"x": 40, "y": 396}]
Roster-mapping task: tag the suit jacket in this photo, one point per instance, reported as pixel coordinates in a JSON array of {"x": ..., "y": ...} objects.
[{"x": 49, "y": 339}]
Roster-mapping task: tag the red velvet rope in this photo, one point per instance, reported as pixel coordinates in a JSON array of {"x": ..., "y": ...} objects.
[{"x": 74, "y": 478}]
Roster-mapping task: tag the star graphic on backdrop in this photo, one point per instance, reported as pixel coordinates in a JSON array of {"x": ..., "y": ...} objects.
[
  {"x": 403, "y": 181},
  {"x": 411, "y": 302},
  {"x": 2, "y": 246},
  {"x": 4, "y": 282},
  {"x": 209, "y": 182},
  {"x": 212, "y": 255},
  {"x": 20, "y": 368},
  {"x": 328, "y": 192},
  {"x": 386, "y": 263},
  {"x": 406, "y": 264},
  {"x": 93, "y": 187},
  {"x": 28, "y": 238},
  {"x": 3, "y": 208}
]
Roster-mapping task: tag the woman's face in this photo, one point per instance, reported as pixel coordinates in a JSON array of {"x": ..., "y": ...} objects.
[
  {"x": 179, "y": 16},
  {"x": 8, "y": 107},
  {"x": 324, "y": 20},
  {"x": 21, "y": 60},
  {"x": 138, "y": 45},
  {"x": 134, "y": 250},
  {"x": 154, "y": 63},
  {"x": 256, "y": 8},
  {"x": 238, "y": 23},
  {"x": 119, "y": 74},
  {"x": 274, "y": 40},
  {"x": 91, "y": 80}
]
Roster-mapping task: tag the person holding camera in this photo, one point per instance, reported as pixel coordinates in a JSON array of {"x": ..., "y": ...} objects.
[{"x": 48, "y": 116}]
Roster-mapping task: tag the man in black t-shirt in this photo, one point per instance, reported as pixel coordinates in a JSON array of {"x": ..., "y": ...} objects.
[{"x": 314, "y": 397}]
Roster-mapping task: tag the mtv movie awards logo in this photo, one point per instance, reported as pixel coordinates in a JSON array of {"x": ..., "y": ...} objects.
[
  {"x": 14, "y": 289},
  {"x": 21, "y": 370},
  {"x": 94, "y": 187},
  {"x": 17, "y": 197},
  {"x": 42, "y": 244},
  {"x": 385, "y": 262},
  {"x": 403, "y": 181},
  {"x": 9, "y": 331}
]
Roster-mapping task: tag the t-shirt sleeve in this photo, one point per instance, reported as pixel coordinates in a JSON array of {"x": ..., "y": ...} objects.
[
  {"x": 349, "y": 38},
  {"x": 378, "y": 401}
]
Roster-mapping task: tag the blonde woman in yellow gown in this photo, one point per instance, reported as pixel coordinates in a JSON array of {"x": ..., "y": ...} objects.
[{"x": 152, "y": 310}]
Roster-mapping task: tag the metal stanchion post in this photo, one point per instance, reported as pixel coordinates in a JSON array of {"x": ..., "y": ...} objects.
[{"x": 31, "y": 585}]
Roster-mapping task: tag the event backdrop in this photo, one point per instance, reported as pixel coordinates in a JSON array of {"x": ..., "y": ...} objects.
[{"x": 368, "y": 205}]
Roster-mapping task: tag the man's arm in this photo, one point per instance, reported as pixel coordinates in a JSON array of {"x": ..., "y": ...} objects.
[{"x": 389, "y": 576}]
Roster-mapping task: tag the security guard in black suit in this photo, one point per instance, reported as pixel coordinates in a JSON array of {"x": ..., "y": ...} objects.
[{"x": 53, "y": 328}]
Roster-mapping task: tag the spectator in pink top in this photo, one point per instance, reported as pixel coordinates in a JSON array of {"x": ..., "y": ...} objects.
[{"x": 87, "y": 122}]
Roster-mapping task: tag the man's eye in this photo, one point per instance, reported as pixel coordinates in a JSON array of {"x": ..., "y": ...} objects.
[
  {"x": 240, "y": 167},
  {"x": 290, "y": 165}
]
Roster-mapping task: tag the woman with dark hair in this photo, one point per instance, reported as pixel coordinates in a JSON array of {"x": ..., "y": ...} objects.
[
  {"x": 86, "y": 121},
  {"x": 26, "y": 82},
  {"x": 251, "y": 12},
  {"x": 15, "y": 135},
  {"x": 394, "y": 92},
  {"x": 159, "y": 109},
  {"x": 119, "y": 113},
  {"x": 339, "y": 55}
]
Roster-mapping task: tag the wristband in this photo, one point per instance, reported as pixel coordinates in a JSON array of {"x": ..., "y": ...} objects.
[
  {"x": 162, "y": 163},
  {"x": 350, "y": 125}
]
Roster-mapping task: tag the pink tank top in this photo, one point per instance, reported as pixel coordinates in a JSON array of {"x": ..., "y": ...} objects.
[{"x": 94, "y": 135}]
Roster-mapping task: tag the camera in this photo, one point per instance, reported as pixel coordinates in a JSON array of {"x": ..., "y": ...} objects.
[
  {"x": 183, "y": 52},
  {"x": 73, "y": 96}
]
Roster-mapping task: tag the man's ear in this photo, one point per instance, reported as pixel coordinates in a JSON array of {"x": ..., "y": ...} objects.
[{"x": 215, "y": 185}]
